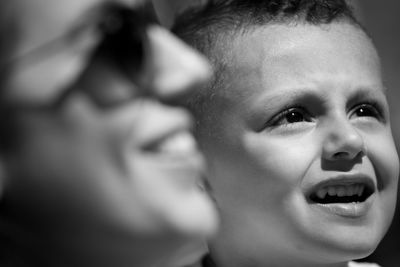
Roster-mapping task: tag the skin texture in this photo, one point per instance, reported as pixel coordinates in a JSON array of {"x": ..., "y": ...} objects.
[
  {"x": 83, "y": 185},
  {"x": 263, "y": 164}
]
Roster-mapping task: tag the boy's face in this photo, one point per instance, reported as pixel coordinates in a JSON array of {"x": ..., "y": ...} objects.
[
  {"x": 303, "y": 165},
  {"x": 126, "y": 170}
]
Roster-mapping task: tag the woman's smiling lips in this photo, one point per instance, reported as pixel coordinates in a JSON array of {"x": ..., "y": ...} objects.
[
  {"x": 176, "y": 152},
  {"x": 179, "y": 142},
  {"x": 346, "y": 195}
]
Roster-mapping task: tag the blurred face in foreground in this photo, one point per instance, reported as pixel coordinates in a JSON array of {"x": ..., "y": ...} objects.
[
  {"x": 104, "y": 160},
  {"x": 303, "y": 164}
]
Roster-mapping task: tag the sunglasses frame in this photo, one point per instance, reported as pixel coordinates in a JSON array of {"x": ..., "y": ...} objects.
[{"x": 123, "y": 44}]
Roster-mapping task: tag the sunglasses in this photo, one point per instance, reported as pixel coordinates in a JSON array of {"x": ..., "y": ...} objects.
[{"x": 122, "y": 45}]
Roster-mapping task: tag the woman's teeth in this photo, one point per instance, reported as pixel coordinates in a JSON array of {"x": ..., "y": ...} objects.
[{"x": 179, "y": 143}]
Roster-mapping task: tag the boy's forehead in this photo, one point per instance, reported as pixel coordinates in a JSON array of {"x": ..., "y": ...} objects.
[
  {"x": 284, "y": 55},
  {"x": 280, "y": 40}
]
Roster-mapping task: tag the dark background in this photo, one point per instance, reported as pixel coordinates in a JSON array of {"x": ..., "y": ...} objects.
[{"x": 382, "y": 21}]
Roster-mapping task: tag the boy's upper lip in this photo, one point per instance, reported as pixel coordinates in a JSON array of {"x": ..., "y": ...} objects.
[{"x": 342, "y": 180}]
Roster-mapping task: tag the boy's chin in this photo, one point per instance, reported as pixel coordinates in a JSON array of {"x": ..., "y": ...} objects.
[{"x": 347, "y": 248}]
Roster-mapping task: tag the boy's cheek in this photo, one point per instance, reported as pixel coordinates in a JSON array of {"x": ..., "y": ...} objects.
[
  {"x": 384, "y": 159},
  {"x": 286, "y": 155}
]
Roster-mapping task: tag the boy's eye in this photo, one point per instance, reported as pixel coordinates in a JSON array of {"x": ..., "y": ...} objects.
[
  {"x": 290, "y": 116},
  {"x": 366, "y": 110}
]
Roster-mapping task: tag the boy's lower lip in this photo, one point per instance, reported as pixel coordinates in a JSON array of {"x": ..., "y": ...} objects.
[{"x": 349, "y": 210}]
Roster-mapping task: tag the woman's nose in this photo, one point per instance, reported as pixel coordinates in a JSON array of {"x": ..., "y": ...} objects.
[
  {"x": 343, "y": 141},
  {"x": 176, "y": 69}
]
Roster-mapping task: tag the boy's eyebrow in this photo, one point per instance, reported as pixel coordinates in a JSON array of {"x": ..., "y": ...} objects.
[
  {"x": 313, "y": 94},
  {"x": 290, "y": 95},
  {"x": 273, "y": 102},
  {"x": 364, "y": 92}
]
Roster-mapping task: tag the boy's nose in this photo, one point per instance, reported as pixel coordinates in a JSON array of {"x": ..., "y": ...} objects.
[
  {"x": 343, "y": 141},
  {"x": 175, "y": 68}
]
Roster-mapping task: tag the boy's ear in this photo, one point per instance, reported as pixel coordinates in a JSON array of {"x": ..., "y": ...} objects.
[
  {"x": 206, "y": 186},
  {"x": 208, "y": 189}
]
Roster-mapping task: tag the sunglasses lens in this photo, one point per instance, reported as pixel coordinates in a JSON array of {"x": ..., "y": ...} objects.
[
  {"x": 124, "y": 39},
  {"x": 123, "y": 48}
]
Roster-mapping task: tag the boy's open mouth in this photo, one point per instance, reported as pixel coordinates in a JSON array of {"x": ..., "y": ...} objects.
[{"x": 342, "y": 192}]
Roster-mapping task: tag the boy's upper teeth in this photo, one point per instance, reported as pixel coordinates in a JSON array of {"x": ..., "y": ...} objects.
[{"x": 341, "y": 190}]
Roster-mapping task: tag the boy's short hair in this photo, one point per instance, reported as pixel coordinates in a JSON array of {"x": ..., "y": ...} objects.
[{"x": 212, "y": 27}]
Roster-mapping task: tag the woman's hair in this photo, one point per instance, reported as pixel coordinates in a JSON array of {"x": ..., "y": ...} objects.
[{"x": 9, "y": 34}]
